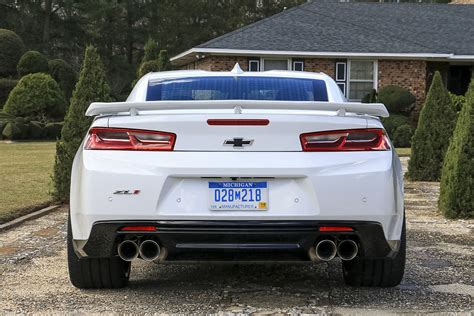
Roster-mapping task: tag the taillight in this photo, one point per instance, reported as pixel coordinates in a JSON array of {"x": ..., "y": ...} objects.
[
  {"x": 139, "y": 228},
  {"x": 102, "y": 138},
  {"x": 346, "y": 140},
  {"x": 238, "y": 122},
  {"x": 335, "y": 229}
]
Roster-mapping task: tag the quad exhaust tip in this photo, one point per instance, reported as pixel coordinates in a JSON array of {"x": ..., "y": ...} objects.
[
  {"x": 149, "y": 250},
  {"x": 128, "y": 250},
  {"x": 347, "y": 249},
  {"x": 326, "y": 250}
]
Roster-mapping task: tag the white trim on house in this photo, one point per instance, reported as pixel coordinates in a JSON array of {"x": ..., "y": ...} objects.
[
  {"x": 302, "y": 54},
  {"x": 257, "y": 61},
  {"x": 298, "y": 62}
]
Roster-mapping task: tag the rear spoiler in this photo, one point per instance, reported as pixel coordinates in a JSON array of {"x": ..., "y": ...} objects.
[{"x": 98, "y": 108}]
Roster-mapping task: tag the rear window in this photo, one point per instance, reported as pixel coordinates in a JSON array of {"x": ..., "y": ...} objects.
[{"x": 237, "y": 88}]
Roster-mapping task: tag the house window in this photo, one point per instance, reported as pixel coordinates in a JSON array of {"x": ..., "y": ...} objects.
[
  {"x": 298, "y": 65},
  {"x": 275, "y": 64},
  {"x": 342, "y": 86},
  {"x": 341, "y": 77},
  {"x": 362, "y": 75},
  {"x": 341, "y": 71},
  {"x": 254, "y": 65}
]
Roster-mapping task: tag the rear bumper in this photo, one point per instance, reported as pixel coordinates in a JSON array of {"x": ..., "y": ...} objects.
[{"x": 235, "y": 240}]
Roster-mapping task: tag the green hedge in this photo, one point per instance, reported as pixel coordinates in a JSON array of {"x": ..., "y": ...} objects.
[
  {"x": 20, "y": 128},
  {"x": 64, "y": 75},
  {"x": 36, "y": 95},
  {"x": 12, "y": 131},
  {"x": 6, "y": 86},
  {"x": 456, "y": 199},
  {"x": 402, "y": 136},
  {"x": 53, "y": 130},
  {"x": 11, "y": 49},
  {"x": 393, "y": 122},
  {"x": 397, "y": 99},
  {"x": 32, "y": 62}
]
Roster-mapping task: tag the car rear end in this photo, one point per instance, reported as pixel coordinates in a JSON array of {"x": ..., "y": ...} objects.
[{"x": 236, "y": 180}]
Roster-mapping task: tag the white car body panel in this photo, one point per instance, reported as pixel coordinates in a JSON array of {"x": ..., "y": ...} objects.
[{"x": 359, "y": 186}]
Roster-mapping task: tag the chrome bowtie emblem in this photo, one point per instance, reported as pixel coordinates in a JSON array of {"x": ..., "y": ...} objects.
[{"x": 238, "y": 142}]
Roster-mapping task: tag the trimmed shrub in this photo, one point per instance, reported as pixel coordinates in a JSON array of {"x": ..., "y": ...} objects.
[
  {"x": 393, "y": 122},
  {"x": 456, "y": 199},
  {"x": 53, "y": 130},
  {"x": 11, "y": 131},
  {"x": 91, "y": 87},
  {"x": 148, "y": 66},
  {"x": 164, "y": 61},
  {"x": 32, "y": 62},
  {"x": 402, "y": 136},
  {"x": 64, "y": 75},
  {"x": 370, "y": 97},
  {"x": 36, "y": 95},
  {"x": 458, "y": 101},
  {"x": 431, "y": 139},
  {"x": 396, "y": 99},
  {"x": 36, "y": 130},
  {"x": 6, "y": 86},
  {"x": 11, "y": 49},
  {"x": 14, "y": 131}
]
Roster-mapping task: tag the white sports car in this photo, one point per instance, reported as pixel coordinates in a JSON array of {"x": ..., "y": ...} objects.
[{"x": 236, "y": 166}]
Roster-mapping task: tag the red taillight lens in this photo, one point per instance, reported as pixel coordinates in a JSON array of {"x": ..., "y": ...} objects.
[
  {"x": 335, "y": 229},
  {"x": 346, "y": 140},
  {"x": 139, "y": 228},
  {"x": 238, "y": 122},
  {"x": 102, "y": 138}
]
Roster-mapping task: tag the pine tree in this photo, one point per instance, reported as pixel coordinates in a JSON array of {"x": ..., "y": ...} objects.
[
  {"x": 151, "y": 51},
  {"x": 456, "y": 198},
  {"x": 91, "y": 87},
  {"x": 431, "y": 139},
  {"x": 164, "y": 61}
]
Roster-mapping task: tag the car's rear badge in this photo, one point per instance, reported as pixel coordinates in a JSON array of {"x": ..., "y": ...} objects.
[
  {"x": 127, "y": 192},
  {"x": 238, "y": 142}
]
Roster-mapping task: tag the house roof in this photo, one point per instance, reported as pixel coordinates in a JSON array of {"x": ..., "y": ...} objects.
[{"x": 334, "y": 28}]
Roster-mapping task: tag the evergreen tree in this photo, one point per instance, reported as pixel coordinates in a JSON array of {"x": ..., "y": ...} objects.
[
  {"x": 431, "y": 139},
  {"x": 151, "y": 51},
  {"x": 91, "y": 87},
  {"x": 164, "y": 60},
  {"x": 456, "y": 198}
]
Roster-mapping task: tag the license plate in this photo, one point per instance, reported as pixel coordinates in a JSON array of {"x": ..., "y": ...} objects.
[{"x": 241, "y": 195}]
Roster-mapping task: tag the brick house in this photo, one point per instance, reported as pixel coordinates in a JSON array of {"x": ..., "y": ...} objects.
[{"x": 361, "y": 45}]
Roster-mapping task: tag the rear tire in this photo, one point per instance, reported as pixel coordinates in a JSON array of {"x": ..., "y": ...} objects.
[
  {"x": 383, "y": 272},
  {"x": 95, "y": 273}
]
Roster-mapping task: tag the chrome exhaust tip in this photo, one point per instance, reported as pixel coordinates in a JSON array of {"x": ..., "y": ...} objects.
[
  {"x": 149, "y": 250},
  {"x": 347, "y": 249},
  {"x": 326, "y": 250},
  {"x": 128, "y": 250}
]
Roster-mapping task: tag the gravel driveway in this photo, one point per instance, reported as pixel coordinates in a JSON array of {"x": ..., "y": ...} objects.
[{"x": 439, "y": 275}]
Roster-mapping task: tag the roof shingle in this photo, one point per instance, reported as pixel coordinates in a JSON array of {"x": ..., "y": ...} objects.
[{"x": 359, "y": 28}]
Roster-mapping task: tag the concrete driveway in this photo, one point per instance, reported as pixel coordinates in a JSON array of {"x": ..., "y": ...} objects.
[{"x": 439, "y": 276}]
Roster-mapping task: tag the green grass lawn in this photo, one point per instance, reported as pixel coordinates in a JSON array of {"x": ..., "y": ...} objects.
[
  {"x": 25, "y": 177},
  {"x": 403, "y": 152}
]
